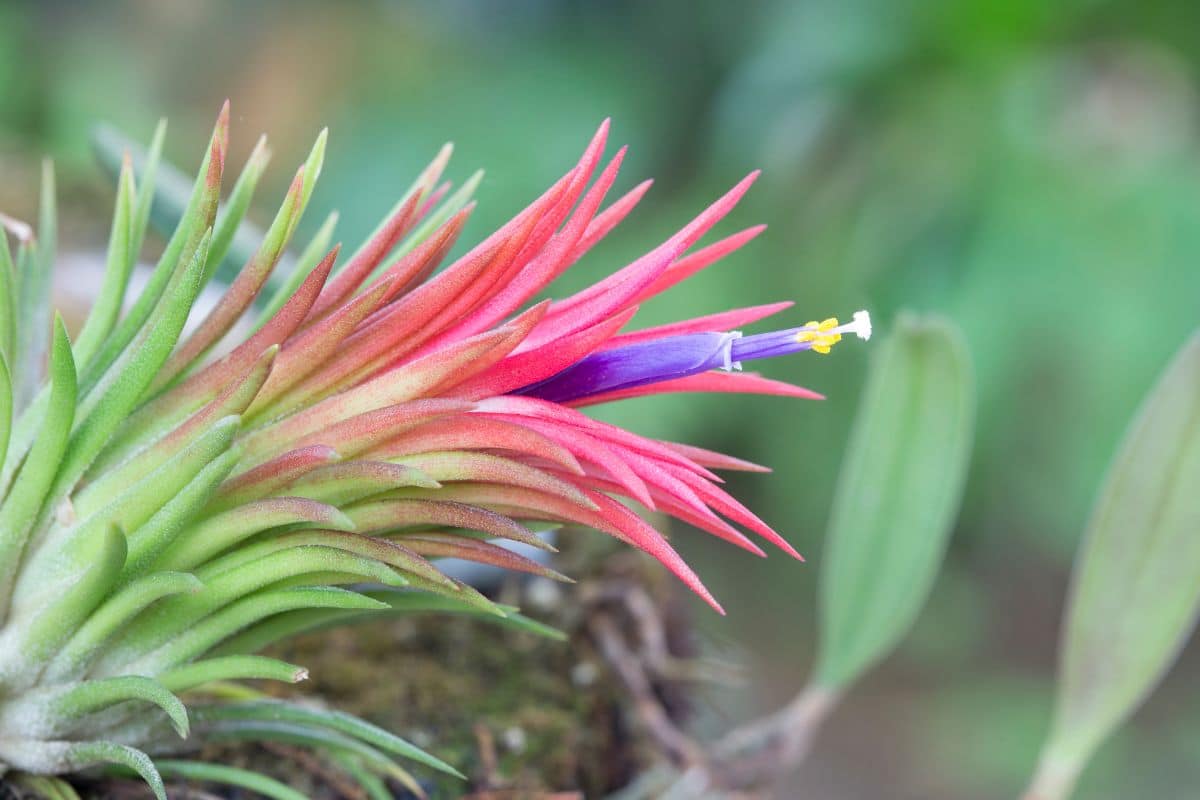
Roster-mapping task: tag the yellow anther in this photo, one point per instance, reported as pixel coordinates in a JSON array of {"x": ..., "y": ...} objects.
[{"x": 823, "y": 335}]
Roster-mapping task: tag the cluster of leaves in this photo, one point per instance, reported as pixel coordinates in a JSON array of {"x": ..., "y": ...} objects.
[{"x": 158, "y": 526}]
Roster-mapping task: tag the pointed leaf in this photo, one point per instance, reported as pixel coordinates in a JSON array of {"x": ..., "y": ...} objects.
[
  {"x": 229, "y": 776},
  {"x": 309, "y": 257},
  {"x": 897, "y": 496},
  {"x": 110, "y": 619},
  {"x": 34, "y": 277},
  {"x": 8, "y": 302},
  {"x": 96, "y": 695},
  {"x": 341, "y": 722},
  {"x": 6, "y": 409},
  {"x": 1135, "y": 593},
  {"x": 21, "y": 507},
  {"x": 194, "y": 227},
  {"x": 81, "y": 755},
  {"x": 121, "y": 258},
  {"x": 229, "y": 668},
  {"x": 229, "y": 227}
]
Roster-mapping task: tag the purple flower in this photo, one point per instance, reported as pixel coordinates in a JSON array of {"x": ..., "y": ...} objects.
[{"x": 672, "y": 357}]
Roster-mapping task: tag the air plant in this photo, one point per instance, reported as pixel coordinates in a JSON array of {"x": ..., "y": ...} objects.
[{"x": 170, "y": 504}]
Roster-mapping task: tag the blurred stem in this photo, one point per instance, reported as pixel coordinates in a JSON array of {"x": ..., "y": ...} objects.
[
  {"x": 805, "y": 715},
  {"x": 749, "y": 758},
  {"x": 784, "y": 737},
  {"x": 1054, "y": 780}
]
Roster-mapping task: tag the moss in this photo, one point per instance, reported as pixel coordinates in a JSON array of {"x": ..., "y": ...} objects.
[{"x": 499, "y": 704}]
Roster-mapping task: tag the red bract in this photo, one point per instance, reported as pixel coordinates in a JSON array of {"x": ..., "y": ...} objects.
[{"x": 406, "y": 395}]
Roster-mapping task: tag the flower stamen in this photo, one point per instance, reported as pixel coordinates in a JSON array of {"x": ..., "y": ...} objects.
[{"x": 822, "y": 336}]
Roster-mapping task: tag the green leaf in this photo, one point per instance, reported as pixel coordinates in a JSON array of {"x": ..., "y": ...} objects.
[
  {"x": 399, "y": 602},
  {"x": 230, "y": 668},
  {"x": 96, "y": 695},
  {"x": 87, "y": 754},
  {"x": 897, "y": 496},
  {"x": 410, "y": 602},
  {"x": 6, "y": 408},
  {"x": 227, "y": 529},
  {"x": 146, "y": 440},
  {"x": 318, "y": 738},
  {"x": 1135, "y": 592},
  {"x": 162, "y": 189},
  {"x": 517, "y": 621},
  {"x": 8, "y": 302},
  {"x": 113, "y": 396},
  {"x": 146, "y": 171},
  {"x": 316, "y": 249},
  {"x": 344, "y": 483},
  {"x": 111, "y": 617},
  {"x": 24, "y": 501},
  {"x": 235, "y": 238},
  {"x": 48, "y": 611},
  {"x": 276, "y": 711},
  {"x": 48, "y": 221},
  {"x": 458, "y": 591},
  {"x": 130, "y": 495},
  {"x": 225, "y": 585},
  {"x": 133, "y": 499},
  {"x": 371, "y": 783},
  {"x": 168, "y": 522},
  {"x": 46, "y": 787},
  {"x": 292, "y": 623},
  {"x": 119, "y": 265},
  {"x": 152, "y": 510},
  {"x": 229, "y": 227},
  {"x": 34, "y": 278},
  {"x": 368, "y": 547},
  {"x": 312, "y": 171},
  {"x": 252, "y": 277},
  {"x": 209, "y": 632},
  {"x": 195, "y": 228},
  {"x": 229, "y": 776}
]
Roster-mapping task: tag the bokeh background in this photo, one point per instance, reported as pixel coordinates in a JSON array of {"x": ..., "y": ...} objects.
[{"x": 1028, "y": 168}]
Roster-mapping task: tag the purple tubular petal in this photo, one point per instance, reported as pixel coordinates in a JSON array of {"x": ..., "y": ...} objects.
[
  {"x": 769, "y": 345},
  {"x": 636, "y": 365},
  {"x": 662, "y": 360}
]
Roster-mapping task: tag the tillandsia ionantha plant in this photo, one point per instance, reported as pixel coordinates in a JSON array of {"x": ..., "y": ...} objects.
[{"x": 170, "y": 507}]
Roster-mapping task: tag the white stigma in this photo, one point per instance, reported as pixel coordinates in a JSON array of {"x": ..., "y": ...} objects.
[
  {"x": 860, "y": 326},
  {"x": 862, "y": 321}
]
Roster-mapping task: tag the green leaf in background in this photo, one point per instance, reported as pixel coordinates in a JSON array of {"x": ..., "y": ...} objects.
[
  {"x": 35, "y": 260},
  {"x": 897, "y": 499},
  {"x": 897, "y": 496},
  {"x": 1135, "y": 594},
  {"x": 239, "y": 236}
]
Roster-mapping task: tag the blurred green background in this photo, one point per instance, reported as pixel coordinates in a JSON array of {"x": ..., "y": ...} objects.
[{"x": 1028, "y": 168}]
